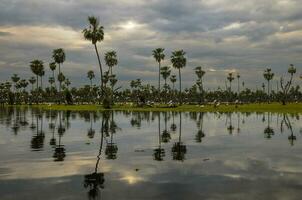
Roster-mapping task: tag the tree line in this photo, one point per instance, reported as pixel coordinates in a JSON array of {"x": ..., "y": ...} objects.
[{"x": 16, "y": 91}]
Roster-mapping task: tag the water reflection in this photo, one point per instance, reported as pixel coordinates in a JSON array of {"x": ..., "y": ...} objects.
[
  {"x": 145, "y": 146},
  {"x": 179, "y": 149}
]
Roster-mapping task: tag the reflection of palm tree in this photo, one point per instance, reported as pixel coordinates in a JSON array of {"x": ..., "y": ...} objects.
[
  {"x": 179, "y": 149},
  {"x": 166, "y": 134},
  {"x": 159, "y": 152},
  {"x": 52, "y": 127},
  {"x": 287, "y": 122},
  {"x": 91, "y": 131},
  {"x": 230, "y": 127},
  {"x": 111, "y": 148},
  {"x": 173, "y": 125},
  {"x": 238, "y": 122},
  {"x": 95, "y": 180},
  {"x": 268, "y": 131},
  {"x": 37, "y": 141},
  {"x": 59, "y": 153},
  {"x": 200, "y": 134}
]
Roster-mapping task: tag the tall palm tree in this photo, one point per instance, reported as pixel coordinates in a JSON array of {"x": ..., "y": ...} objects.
[
  {"x": 90, "y": 76},
  {"x": 158, "y": 55},
  {"x": 95, "y": 33},
  {"x": 268, "y": 75},
  {"x": 173, "y": 80},
  {"x": 200, "y": 73},
  {"x": 59, "y": 57},
  {"x": 179, "y": 61},
  {"x": 165, "y": 72},
  {"x": 111, "y": 60},
  {"x": 230, "y": 79},
  {"x": 53, "y": 67},
  {"x": 36, "y": 67}
]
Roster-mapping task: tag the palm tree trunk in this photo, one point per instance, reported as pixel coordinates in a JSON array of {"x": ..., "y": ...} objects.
[
  {"x": 100, "y": 65},
  {"x": 179, "y": 74}
]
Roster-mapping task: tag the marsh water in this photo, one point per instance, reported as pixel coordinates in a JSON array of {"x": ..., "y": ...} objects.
[{"x": 149, "y": 155}]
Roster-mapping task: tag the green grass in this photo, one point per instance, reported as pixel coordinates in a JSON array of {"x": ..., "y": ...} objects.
[{"x": 272, "y": 107}]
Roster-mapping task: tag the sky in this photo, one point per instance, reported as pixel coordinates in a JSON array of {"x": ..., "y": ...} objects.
[{"x": 222, "y": 36}]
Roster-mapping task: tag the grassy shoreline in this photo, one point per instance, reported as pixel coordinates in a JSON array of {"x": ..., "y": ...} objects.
[{"x": 263, "y": 107}]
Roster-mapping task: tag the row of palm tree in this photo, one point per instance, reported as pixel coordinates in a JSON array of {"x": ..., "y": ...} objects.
[{"x": 95, "y": 34}]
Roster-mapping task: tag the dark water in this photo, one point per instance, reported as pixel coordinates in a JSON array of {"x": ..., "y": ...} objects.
[{"x": 149, "y": 155}]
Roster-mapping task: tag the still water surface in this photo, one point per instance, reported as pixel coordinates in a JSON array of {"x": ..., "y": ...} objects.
[{"x": 149, "y": 155}]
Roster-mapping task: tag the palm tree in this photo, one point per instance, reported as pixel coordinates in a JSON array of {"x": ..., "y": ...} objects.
[
  {"x": 200, "y": 73},
  {"x": 15, "y": 78},
  {"x": 158, "y": 55},
  {"x": 95, "y": 33},
  {"x": 230, "y": 79},
  {"x": 51, "y": 81},
  {"x": 165, "y": 72},
  {"x": 61, "y": 78},
  {"x": 59, "y": 57},
  {"x": 268, "y": 75},
  {"x": 36, "y": 67},
  {"x": 53, "y": 67},
  {"x": 111, "y": 60},
  {"x": 179, "y": 61},
  {"x": 41, "y": 74},
  {"x": 286, "y": 87},
  {"x": 67, "y": 83},
  {"x": 173, "y": 80},
  {"x": 90, "y": 76},
  {"x": 32, "y": 81}
]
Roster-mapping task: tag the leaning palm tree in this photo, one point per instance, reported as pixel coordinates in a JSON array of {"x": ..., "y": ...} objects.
[
  {"x": 90, "y": 76},
  {"x": 95, "y": 33},
  {"x": 59, "y": 57},
  {"x": 53, "y": 67},
  {"x": 36, "y": 67},
  {"x": 158, "y": 55},
  {"x": 268, "y": 75},
  {"x": 179, "y": 61},
  {"x": 165, "y": 72},
  {"x": 111, "y": 60}
]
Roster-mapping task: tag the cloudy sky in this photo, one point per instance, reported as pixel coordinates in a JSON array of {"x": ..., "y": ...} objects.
[{"x": 220, "y": 35}]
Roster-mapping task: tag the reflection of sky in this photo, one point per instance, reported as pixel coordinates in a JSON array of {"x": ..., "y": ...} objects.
[{"x": 223, "y": 166}]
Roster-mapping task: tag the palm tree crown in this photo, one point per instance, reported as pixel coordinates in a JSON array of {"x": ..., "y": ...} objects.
[
  {"x": 199, "y": 72},
  {"x": 58, "y": 55},
  {"x": 158, "y": 55},
  {"x": 95, "y": 32},
  {"x": 111, "y": 59},
  {"x": 178, "y": 59}
]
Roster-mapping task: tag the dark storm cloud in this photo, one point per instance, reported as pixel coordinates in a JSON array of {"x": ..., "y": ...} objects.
[{"x": 218, "y": 34}]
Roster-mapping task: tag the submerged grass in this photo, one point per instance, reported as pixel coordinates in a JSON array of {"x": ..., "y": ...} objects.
[{"x": 263, "y": 107}]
